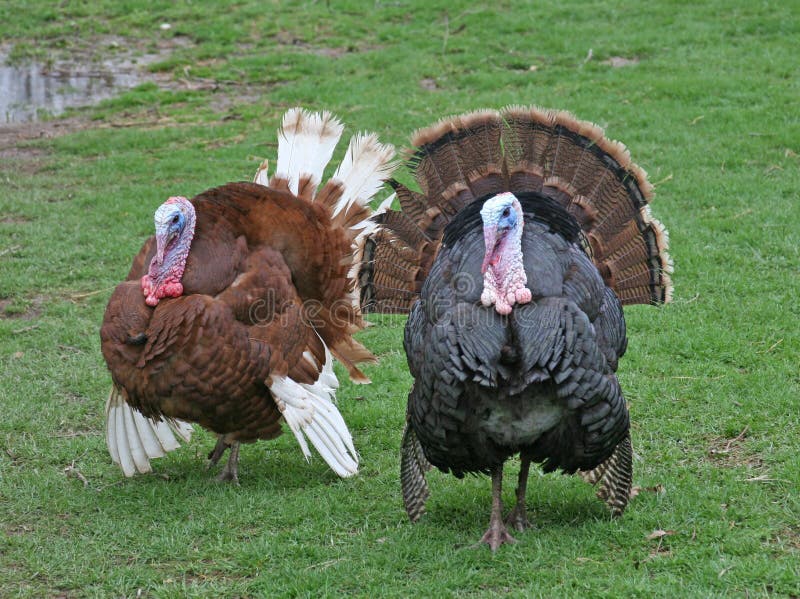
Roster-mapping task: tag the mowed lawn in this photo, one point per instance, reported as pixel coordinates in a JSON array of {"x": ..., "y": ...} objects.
[{"x": 707, "y": 98}]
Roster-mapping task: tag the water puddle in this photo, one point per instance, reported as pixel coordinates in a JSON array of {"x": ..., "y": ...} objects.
[{"x": 31, "y": 90}]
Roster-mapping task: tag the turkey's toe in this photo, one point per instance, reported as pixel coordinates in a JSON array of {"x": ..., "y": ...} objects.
[
  {"x": 228, "y": 475},
  {"x": 496, "y": 535}
]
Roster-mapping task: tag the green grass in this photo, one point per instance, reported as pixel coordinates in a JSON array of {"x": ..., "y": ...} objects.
[{"x": 709, "y": 109}]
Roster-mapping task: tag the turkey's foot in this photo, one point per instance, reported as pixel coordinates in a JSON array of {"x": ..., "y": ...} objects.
[
  {"x": 230, "y": 473},
  {"x": 518, "y": 518},
  {"x": 496, "y": 535}
]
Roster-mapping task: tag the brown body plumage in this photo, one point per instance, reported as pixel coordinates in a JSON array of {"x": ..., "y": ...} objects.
[{"x": 266, "y": 294}]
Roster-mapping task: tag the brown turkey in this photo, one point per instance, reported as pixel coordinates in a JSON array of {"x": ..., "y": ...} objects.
[
  {"x": 231, "y": 311},
  {"x": 530, "y": 231}
]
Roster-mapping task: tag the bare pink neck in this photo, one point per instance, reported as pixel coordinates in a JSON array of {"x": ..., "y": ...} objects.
[
  {"x": 504, "y": 282},
  {"x": 164, "y": 279}
]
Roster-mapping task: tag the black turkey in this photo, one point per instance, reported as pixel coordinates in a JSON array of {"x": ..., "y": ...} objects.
[{"x": 531, "y": 231}]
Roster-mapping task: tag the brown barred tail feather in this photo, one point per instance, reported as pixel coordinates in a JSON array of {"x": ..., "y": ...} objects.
[
  {"x": 518, "y": 149},
  {"x": 413, "y": 466},
  {"x": 614, "y": 477}
]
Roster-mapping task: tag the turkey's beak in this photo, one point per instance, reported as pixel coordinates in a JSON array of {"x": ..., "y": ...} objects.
[
  {"x": 490, "y": 241},
  {"x": 162, "y": 241}
]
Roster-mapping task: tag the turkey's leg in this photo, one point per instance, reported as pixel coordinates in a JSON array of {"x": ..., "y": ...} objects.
[
  {"x": 518, "y": 517},
  {"x": 216, "y": 453},
  {"x": 230, "y": 473},
  {"x": 497, "y": 533}
]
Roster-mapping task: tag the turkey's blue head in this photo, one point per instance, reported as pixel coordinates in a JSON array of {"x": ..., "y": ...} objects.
[
  {"x": 174, "y": 221},
  {"x": 504, "y": 276},
  {"x": 502, "y": 222}
]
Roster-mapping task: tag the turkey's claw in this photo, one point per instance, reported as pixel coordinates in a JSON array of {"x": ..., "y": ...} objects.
[{"x": 496, "y": 535}]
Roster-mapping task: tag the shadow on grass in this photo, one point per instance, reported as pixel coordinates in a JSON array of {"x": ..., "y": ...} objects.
[
  {"x": 557, "y": 506},
  {"x": 266, "y": 468}
]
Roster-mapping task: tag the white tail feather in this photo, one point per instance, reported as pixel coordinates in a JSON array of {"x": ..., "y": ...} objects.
[
  {"x": 305, "y": 145},
  {"x": 364, "y": 168},
  {"x": 140, "y": 461},
  {"x": 327, "y": 380},
  {"x": 262, "y": 174},
  {"x": 133, "y": 439},
  {"x": 309, "y": 412},
  {"x": 148, "y": 436},
  {"x": 122, "y": 444},
  {"x": 180, "y": 428}
]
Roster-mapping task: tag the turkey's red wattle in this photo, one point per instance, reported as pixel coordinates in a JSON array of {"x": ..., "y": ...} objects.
[
  {"x": 170, "y": 286},
  {"x": 504, "y": 278},
  {"x": 164, "y": 275}
]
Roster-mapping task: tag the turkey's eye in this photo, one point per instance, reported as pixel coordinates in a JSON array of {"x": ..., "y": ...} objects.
[
  {"x": 506, "y": 211},
  {"x": 175, "y": 219}
]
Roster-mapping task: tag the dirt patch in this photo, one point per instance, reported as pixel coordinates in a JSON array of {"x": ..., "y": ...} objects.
[
  {"x": 20, "y": 155},
  {"x": 18, "y": 530},
  {"x": 12, "y": 219},
  {"x": 428, "y": 84},
  {"x": 96, "y": 69},
  {"x": 783, "y": 542},
  {"x": 731, "y": 452},
  {"x": 26, "y": 310},
  {"x": 620, "y": 61},
  {"x": 285, "y": 38},
  {"x": 791, "y": 537},
  {"x": 13, "y": 138}
]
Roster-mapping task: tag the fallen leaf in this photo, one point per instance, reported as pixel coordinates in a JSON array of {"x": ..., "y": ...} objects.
[
  {"x": 764, "y": 478},
  {"x": 621, "y": 61},
  {"x": 429, "y": 84},
  {"x": 657, "y": 489},
  {"x": 71, "y": 470},
  {"x": 659, "y": 534},
  {"x": 664, "y": 180}
]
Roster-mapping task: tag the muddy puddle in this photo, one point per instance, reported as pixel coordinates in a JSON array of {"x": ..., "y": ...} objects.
[{"x": 31, "y": 90}]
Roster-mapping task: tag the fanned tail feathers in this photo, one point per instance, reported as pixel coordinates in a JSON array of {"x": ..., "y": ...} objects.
[
  {"x": 413, "y": 466},
  {"x": 133, "y": 439},
  {"x": 463, "y": 158},
  {"x": 364, "y": 168},
  {"x": 306, "y": 142},
  {"x": 613, "y": 478}
]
